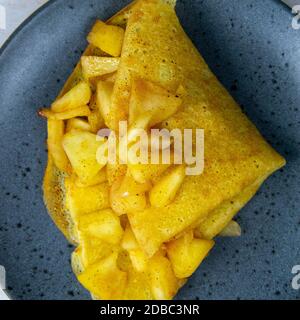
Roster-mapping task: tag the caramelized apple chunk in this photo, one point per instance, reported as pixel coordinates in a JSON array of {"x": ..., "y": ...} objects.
[
  {"x": 81, "y": 148},
  {"x": 99, "y": 178},
  {"x": 104, "y": 279},
  {"x": 80, "y": 201},
  {"x": 108, "y": 38},
  {"x": 92, "y": 250},
  {"x": 55, "y": 137},
  {"x": 187, "y": 253},
  {"x": 82, "y": 111},
  {"x": 128, "y": 196},
  {"x": 78, "y": 96},
  {"x": 93, "y": 66},
  {"x": 138, "y": 258},
  {"x": 104, "y": 224},
  {"x": 147, "y": 97},
  {"x": 78, "y": 124},
  {"x": 104, "y": 93},
  {"x": 165, "y": 190},
  {"x": 163, "y": 281}
]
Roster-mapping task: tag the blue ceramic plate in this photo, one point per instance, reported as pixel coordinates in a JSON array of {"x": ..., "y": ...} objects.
[{"x": 254, "y": 51}]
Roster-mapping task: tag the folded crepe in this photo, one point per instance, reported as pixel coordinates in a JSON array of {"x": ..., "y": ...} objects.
[{"x": 147, "y": 245}]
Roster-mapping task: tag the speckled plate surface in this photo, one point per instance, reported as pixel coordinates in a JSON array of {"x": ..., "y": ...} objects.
[{"x": 251, "y": 47}]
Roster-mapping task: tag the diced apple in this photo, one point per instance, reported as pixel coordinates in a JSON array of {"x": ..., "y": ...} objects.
[
  {"x": 95, "y": 121},
  {"x": 115, "y": 171},
  {"x": 163, "y": 282},
  {"x": 233, "y": 229},
  {"x": 187, "y": 253},
  {"x": 111, "y": 77},
  {"x": 78, "y": 124},
  {"x": 55, "y": 136},
  {"x": 149, "y": 97},
  {"x": 93, "y": 249},
  {"x": 143, "y": 173},
  {"x": 93, "y": 66},
  {"x": 104, "y": 279},
  {"x": 76, "y": 261},
  {"x": 80, "y": 201},
  {"x": 104, "y": 93},
  {"x": 128, "y": 196},
  {"x": 129, "y": 241},
  {"x": 99, "y": 178},
  {"x": 107, "y": 37},
  {"x": 82, "y": 111},
  {"x": 104, "y": 224},
  {"x": 81, "y": 148},
  {"x": 140, "y": 123},
  {"x": 78, "y": 96},
  {"x": 164, "y": 192},
  {"x": 138, "y": 258},
  {"x": 138, "y": 286}
]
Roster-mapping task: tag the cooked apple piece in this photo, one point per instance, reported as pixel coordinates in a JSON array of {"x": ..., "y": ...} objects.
[
  {"x": 165, "y": 190},
  {"x": 187, "y": 253},
  {"x": 55, "y": 136},
  {"x": 152, "y": 171},
  {"x": 104, "y": 279},
  {"x": 130, "y": 187},
  {"x": 163, "y": 282},
  {"x": 111, "y": 77},
  {"x": 80, "y": 201},
  {"x": 129, "y": 241},
  {"x": 93, "y": 249},
  {"x": 233, "y": 229},
  {"x": 95, "y": 119},
  {"x": 78, "y": 124},
  {"x": 76, "y": 261},
  {"x": 127, "y": 195},
  {"x": 81, "y": 148},
  {"x": 93, "y": 66},
  {"x": 104, "y": 93},
  {"x": 149, "y": 97},
  {"x": 138, "y": 258},
  {"x": 140, "y": 123},
  {"x": 115, "y": 171},
  {"x": 104, "y": 224},
  {"x": 138, "y": 286},
  {"x": 144, "y": 173},
  {"x": 78, "y": 96},
  {"x": 82, "y": 111},
  {"x": 99, "y": 178},
  {"x": 107, "y": 37}
]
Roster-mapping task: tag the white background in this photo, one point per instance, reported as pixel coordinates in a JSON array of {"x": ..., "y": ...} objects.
[{"x": 16, "y": 12}]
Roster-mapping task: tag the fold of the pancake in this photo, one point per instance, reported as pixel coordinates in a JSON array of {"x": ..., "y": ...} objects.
[
  {"x": 236, "y": 156},
  {"x": 53, "y": 184}
]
